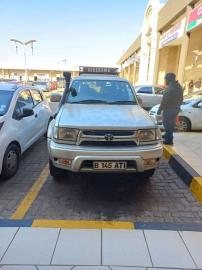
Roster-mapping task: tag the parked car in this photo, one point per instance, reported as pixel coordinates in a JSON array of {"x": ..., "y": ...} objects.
[
  {"x": 189, "y": 116},
  {"x": 24, "y": 118},
  {"x": 149, "y": 94},
  {"x": 100, "y": 127},
  {"x": 43, "y": 86}
]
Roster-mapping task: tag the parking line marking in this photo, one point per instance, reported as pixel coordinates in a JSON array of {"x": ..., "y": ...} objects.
[
  {"x": 31, "y": 195},
  {"x": 83, "y": 224}
]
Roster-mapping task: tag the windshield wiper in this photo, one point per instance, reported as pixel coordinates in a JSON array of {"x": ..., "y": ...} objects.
[
  {"x": 89, "y": 101},
  {"x": 124, "y": 102}
]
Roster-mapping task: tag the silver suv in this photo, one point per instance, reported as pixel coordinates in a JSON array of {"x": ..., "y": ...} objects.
[{"x": 100, "y": 127}]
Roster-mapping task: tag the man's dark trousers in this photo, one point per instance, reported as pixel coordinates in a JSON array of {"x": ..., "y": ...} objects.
[{"x": 169, "y": 118}]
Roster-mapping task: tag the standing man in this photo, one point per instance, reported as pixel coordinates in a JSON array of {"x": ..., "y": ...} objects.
[{"x": 170, "y": 105}]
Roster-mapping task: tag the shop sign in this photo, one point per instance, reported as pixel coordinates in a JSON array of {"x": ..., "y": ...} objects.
[
  {"x": 195, "y": 18},
  {"x": 175, "y": 32}
]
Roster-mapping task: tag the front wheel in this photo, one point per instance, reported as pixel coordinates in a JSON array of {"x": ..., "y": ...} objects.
[
  {"x": 11, "y": 161},
  {"x": 147, "y": 174},
  {"x": 56, "y": 173}
]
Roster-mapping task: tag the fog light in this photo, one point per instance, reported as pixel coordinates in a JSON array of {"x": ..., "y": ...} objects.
[
  {"x": 64, "y": 162},
  {"x": 150, "y": 162}
]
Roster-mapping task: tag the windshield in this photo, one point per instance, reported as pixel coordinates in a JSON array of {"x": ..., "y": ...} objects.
[
  {"x": 101, "y": 91},
  {"x": 5, "y": 99}
]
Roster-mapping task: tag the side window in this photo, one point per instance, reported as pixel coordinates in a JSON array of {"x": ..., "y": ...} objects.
[
  {"x": 36, "y": 97},
  {"x": 145, "y": 90},
  {"x": 158, "y": 90},
  {"x": 24, "y": 101}
]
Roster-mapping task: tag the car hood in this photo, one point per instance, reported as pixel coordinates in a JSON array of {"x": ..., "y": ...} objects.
[{"x": 104, "y": 116}]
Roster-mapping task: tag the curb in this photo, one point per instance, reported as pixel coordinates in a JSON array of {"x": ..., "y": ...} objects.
[
  {"x": 99, "y": 225},
  {"x": 188, "y": 175}
]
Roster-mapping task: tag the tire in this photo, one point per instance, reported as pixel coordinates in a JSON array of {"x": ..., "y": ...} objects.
[
  {"x": 56, "y": 173},
  {"x": 147, "y": 174},
  {"x": 11, "y": 161},
  {"x": 184, "y": 124}
]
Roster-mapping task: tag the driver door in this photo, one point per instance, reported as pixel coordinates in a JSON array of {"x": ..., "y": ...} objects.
[{"x": 25, "y": 126}]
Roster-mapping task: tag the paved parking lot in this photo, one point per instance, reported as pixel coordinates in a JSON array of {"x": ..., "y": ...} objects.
[{"x": 165, "y": 198}]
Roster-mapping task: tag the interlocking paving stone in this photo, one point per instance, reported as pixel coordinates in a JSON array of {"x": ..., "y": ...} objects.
[
  {"x": 78, "y": 247},
  {"x": 168, "y": 250},
  {"x": 32, "y": 246},
  {"x": 124, "y": 248},
  {"x": 165, "y": 198}
]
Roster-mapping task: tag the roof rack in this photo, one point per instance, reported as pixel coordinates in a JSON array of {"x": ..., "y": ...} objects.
[{"x": 98, "y": 70}]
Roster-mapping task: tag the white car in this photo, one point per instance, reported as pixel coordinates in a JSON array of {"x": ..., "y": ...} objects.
[
  {"x": 149, "y": 94},
  {"x": 24, "y": 118},
  {"x": 189, "y": 116}
]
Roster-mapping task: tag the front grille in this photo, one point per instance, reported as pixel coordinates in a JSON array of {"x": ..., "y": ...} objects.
[
  {"x": 104, "y": 132},
  {"x": 88, "y": 164},
  {"x": 109, "y": 143}
]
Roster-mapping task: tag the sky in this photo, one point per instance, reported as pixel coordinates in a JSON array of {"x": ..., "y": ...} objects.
[{"x": 85, "y": 32}]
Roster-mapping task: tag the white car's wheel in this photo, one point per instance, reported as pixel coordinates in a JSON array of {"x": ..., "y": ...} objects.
[
  {"x": 183, "y": 124},
  {"x": 11, "y": 161}
]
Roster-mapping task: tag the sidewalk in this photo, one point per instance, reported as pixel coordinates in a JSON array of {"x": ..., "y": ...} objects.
[
  {"x": 185, "y": 158},
  {"x": 188, "y": 145},
  {"x": 57, "y": 249}
]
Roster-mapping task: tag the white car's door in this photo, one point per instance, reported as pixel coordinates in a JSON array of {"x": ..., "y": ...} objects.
[
  {"x": 195, "y": 114},
  {"x": 158, "y": 95},
  {"x": 24, "y": 126},
  {"x": 41, "y": 112},
  {"x": 147, "y": 95}
]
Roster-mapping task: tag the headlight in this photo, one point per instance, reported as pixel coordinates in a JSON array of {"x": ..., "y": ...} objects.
[
  {"x": 146, "y": 135},
  {"x": 66, "y": 134}
]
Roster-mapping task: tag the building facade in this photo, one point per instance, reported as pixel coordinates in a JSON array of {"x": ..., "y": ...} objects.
[{"x": 171, "y": 41}]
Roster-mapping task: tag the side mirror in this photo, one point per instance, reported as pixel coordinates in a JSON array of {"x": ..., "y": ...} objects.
[
  {"x": 27, "y": 112},
  {"x": 139, "y": 101},
  {"x": 199, "y": 105},
  {"x": 55, "y": 97}
]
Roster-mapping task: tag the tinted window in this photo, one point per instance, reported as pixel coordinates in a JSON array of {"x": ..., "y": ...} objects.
[
  {"x": 36, "y": 97},
  {"x": 145, "y": 90},
  {"x": 101, "y": 91},
  {"x": 5, "y": 99}
]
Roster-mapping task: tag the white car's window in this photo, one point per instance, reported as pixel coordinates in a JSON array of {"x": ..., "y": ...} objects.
[
  {"x": 101, "y": 91},
  {"x": 158, "y": 90},
  {"x": 36, "y": 97},
  {"x": 145, "y": 90},
  {"x": 25, "y": 100},
  {"x": 5, "y": 99}
]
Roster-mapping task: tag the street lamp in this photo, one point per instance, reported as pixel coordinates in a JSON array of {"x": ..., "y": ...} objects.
[{"x": 24, "y": 44}]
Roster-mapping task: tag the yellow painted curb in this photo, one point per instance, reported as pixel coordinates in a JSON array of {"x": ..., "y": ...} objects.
[
  {"x": 196, "y": 187},
  {"x": 31, "y": 195},
  {"x": 168, "y": 151},
  {"x": 82, "y": 224}
]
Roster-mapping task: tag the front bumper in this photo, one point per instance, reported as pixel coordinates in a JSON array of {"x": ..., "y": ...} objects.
[{"x": 79, "y": 155}]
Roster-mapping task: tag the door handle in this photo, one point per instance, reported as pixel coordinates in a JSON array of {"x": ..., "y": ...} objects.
[{"x": 36, "y": 115}]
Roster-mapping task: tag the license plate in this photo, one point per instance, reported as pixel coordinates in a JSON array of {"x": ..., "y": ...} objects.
[{"x": 109, "y": 165}]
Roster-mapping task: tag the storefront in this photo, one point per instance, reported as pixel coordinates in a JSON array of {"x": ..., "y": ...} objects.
[
  {"x": 138, "y": 62},
  {"x": 193, "y": 67},
  {"x": 170, "y": 47}
]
